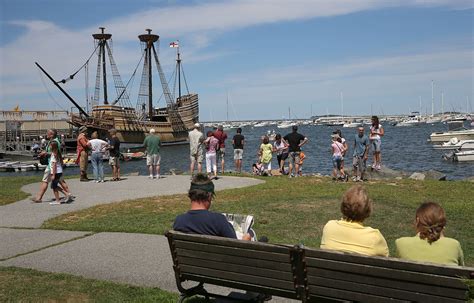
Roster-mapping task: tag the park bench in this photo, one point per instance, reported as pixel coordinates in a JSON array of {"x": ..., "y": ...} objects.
[{"x": 309, "y": 275}]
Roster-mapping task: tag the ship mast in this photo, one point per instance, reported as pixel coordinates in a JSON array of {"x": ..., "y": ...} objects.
[
  {"x": 102, "y": 41},
  {"x": 178, "y": 67},
  {"x": 148, "y": 39}
]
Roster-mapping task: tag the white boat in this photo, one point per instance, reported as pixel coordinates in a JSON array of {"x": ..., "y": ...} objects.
[
  {"x": 464, "y": 156},
  {"x": 352, "y": 124},
  {"x": 411, "y": 121},
  {"x": 432, "y": 120},
  {"x": 454, "y": 143},
  {"x": 463, "y": 134},
  {"x": 286, "y": 124},
  {"x": 261, "y": 124}
]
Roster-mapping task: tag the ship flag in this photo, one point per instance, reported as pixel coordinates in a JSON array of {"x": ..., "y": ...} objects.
[{"x": 174, "y": 44}]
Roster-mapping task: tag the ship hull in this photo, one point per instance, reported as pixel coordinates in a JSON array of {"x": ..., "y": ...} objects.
[{"x": 132, "y": 129}]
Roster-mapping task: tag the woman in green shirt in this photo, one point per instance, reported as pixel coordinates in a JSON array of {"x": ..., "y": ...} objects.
[{"x": 430, "y": 244}]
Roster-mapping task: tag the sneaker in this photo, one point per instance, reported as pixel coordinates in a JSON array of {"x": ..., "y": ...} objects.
[
  {"x": 101, "y": 181},
  {"x": 68, "y": 199},
  {"x": 97, "y": 181},
  {"x": 378, "y": 167},
  {"x": 354, "y": 179},
  {"x": 156, "y": 177},
  {"x": 358, "y": 179},
  {"x": 150, "y": 177},
  {"x": 54, "y": 203}
]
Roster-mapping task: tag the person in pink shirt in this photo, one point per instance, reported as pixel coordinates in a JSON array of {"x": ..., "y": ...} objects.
[{"x": 212, "y": 145}]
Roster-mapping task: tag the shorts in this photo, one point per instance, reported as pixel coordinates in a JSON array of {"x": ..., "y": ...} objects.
[
  {"x": 221, "y": 152},
  {"x": 46, "y": 175},
  {"x": 197, "y": 156},
  {"x": 114, "y": 161},
  {"x": 153, "y": 160},
  {"x": 238, "y": 153},
  {"x": 83, "y": 160},
  {"x": 282, "y": 157},
  {"x": 337, "y": 162},
  {"x": 376, "y": 144},
  {"x": 295, "y": 157},
  {"x": 359, "y": 162},
  {"x": 55, "y": 182}
]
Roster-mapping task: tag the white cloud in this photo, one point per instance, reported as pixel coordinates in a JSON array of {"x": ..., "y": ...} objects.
[{"x": 61, "y": 50}]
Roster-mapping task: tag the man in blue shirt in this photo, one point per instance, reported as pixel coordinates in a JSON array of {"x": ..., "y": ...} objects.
[
  {"x": 361, "y": 153},
  {"x": 199, "y": 220}
]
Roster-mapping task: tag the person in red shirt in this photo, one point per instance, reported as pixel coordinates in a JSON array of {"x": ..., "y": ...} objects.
[
  {"x": 220, "y": 135},
  {"x": 83, "y": 147}
]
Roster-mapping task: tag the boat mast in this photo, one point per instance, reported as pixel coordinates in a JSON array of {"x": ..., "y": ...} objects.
[
  {"x": 102, "y": 40},
  {"x": 148, "y": 39},
  {"x": 178, "y": 67},
  {"x": 227, "y": 107},
  {"x": 432, "y": 98},
  {"x": 342, "y": 106}
]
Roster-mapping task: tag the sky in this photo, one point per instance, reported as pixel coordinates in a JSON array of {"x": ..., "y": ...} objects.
[{"x": 261, "y": 57}]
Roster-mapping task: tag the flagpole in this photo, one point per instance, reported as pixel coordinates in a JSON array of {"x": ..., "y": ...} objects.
[{"x": 179, "y": 71}]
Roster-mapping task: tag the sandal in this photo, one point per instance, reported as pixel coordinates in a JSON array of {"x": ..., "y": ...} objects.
[{"x": 36, "y": 200}]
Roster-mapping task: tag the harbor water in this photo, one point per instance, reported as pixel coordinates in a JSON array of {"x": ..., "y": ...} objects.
[{"x": 403, "y": 148}]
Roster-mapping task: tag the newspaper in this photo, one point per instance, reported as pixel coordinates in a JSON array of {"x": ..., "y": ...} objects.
[{"x": 242, "y": 224}]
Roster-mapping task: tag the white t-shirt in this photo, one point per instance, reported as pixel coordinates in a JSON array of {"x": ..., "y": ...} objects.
[
  {"x": 97, "y": 145},
  {"x": 54, "y": 161},
  {"x": 376, "y": 136},
  {"x": 280, "y": 147}
]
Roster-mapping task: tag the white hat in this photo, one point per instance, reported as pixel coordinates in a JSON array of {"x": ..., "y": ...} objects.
[
  {"x": 152, "y": 131},
  {"x": 197, "y": 125}
]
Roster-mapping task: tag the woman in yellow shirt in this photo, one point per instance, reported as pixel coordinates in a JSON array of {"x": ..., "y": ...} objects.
[
  {"x": 430, "y": 244},
  {"x": 349, "y": 234}
]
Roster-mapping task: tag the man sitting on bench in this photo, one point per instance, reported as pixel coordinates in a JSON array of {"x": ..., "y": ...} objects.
[{"x": 199, "y": 220}]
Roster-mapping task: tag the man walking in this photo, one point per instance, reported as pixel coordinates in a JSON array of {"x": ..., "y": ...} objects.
[
  {"x": 295, "y": 141},
  {"x": 83, "y": 147},
  {"x": 152, "y": 144},
  {"x": 114, "y": 149},
  {"x": 360, "y": 155},
  {"x": 220, "y": 135},
  {"x": 196, "y": 138},
  {"x": 238, "y": 144}
]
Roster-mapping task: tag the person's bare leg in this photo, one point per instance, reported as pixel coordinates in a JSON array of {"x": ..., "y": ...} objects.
[
  {"x": 191, "y": 167},
  {"x": 222, "y": 163},
  {"x": 290, "y": 167},
  {"x": 297, "y": 169},
  {"x": 199, "y": 167},
  {"x": 150, "y": 169},
  {"x": 56, "y": 195},
  {"x": 118, "y": 173},
  {"x": 157, "y": 170},
  {"x": 42, "y": 190}
]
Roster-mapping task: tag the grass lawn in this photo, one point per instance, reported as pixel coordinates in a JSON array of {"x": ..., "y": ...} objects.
[
  {"x": 11, "y": 188},
  {"x": 294, "y": 210},
  {"x": 26, "y": 285}
]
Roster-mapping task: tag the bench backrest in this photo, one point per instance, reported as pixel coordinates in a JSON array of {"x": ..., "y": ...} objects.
[
  {"x": 252, "y": 266},
  {"x": 377, "y": 279}
]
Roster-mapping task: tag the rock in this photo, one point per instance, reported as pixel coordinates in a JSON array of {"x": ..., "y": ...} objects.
[
  {"x": 417, "y": 176},
  {"x": 434, "y": 175},
  {"x": 470, "y": 179}
]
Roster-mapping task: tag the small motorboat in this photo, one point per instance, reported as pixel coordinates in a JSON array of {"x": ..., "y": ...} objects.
[
  {"x": 352, "y": 124},
  {"x": 454, "y": 143},
  {"x": 464, "y": 156},
  {"x": 133, "y": 156}
]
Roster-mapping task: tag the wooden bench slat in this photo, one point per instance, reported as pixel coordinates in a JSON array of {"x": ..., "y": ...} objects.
[
  {"x": 241, "y": 285},
  {"x": 238, "y": 268},
  {"x": 233, "y": 251},
  {"x": 385, "y": 272},
  {"x": 392, "y": 282},
  {"x": 234, "y": 260},
  {"x": 366, "y": 289},
  {"x": 344, "y": 295},
  {"x": 236, "y": 277},
  {"x": 260, "y": 246},
  {"x": 395, "y": 263}
]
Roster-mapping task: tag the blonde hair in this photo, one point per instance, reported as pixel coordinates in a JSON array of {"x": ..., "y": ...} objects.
[
  {"x": 430, "y": 221},
  {"x": 95, "y": 135},
  {"x": 356, "y": 205}
]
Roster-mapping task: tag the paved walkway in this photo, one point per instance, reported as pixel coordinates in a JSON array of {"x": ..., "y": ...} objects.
[{"x": 137, "y": 259}]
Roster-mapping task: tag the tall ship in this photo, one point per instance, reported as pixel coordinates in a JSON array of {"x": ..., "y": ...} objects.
[{"x": 172, "y": 121}]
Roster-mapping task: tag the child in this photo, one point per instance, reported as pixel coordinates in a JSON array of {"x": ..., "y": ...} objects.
[
  {"x": 337, "y": 151},
  {"x": 212, "y": 144},
  {"x": 56, "y": 165},
  {"x": 258, "y": 168},
  {"x": 266, "y": 150},
  {"x": 302, "y": 157}
]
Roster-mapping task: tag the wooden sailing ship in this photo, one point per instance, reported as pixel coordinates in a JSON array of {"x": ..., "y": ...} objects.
[{"x": 172, "y": 121}]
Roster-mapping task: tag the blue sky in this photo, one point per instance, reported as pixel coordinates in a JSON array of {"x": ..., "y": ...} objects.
[{"x": 266, "y": 55}]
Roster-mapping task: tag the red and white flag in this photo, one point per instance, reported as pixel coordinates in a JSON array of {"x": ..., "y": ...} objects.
[{"x": 174, "y": 44}]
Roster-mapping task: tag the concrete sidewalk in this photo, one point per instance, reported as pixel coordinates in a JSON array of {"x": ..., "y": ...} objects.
[
  {"x": 136, "y": 259},
  {"x": 25, "y": 213}
]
